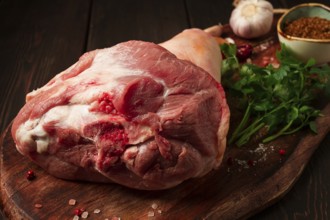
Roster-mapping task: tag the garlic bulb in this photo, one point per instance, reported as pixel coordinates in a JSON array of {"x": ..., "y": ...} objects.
[{"x": 252, "y": 18}]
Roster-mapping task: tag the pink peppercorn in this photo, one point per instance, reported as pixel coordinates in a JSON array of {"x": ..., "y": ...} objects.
[
  {"x": 251, "y": 163},
  {"x": 244, "y": 51},
  {"x": 282, "y": 152},
  {"x": 30, "y": 175},
  {"x": 78, "y": 212},
  {"x": 230, "y": 161}
]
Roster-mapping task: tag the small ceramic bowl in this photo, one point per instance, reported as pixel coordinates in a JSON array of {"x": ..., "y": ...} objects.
[{"x": 305, "y": 48}]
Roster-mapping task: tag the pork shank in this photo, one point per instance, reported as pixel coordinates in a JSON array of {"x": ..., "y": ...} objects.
[{"x": 139, "y": 114}]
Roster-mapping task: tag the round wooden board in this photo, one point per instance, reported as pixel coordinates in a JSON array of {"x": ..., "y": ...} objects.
[
  {"x": 249, "y": 179},
  {"x": 234, "y": 191}
]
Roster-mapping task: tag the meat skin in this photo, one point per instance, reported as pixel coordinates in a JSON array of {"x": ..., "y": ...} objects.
[{"x": 139, "y": 114}]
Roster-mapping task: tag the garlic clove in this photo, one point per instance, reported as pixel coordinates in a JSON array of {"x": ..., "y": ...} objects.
[{"x": 245, "y": 28}]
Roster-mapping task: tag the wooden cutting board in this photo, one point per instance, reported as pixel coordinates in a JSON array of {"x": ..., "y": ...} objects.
[{"x": 249, "y": 179}]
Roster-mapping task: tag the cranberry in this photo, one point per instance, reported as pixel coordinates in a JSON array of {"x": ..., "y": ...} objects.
[
  {"x": 282, "y": 152},
  {"x": 244, "y": 51},
  {"x": 30, "y": 175}
]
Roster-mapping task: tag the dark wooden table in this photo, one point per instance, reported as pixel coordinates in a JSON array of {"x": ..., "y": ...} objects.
[{"x": 40, "y": 38}]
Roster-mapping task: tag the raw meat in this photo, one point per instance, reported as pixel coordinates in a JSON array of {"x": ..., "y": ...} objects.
[{"x": 139, "y": 114}]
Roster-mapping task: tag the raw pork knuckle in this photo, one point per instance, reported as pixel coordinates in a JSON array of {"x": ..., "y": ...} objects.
[{"x": 139, "y": 114}]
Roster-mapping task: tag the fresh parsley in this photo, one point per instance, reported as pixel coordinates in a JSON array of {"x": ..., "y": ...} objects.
[{"x": 276, "y": 101}]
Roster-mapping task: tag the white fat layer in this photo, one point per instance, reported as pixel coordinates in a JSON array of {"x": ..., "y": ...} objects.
[
  {"x": 69, "y": 116},
  {"x": 105, "y": 70},
  {"x": 32, "y": 133}
]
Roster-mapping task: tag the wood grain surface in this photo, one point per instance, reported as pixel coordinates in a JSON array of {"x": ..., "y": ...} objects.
[{"x": 42, "y": 38}]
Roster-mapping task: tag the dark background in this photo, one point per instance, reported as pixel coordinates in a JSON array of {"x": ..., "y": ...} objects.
[{"x": 40, "y": 38}]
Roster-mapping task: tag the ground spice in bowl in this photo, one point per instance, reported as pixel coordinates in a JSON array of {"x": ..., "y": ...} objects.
[{"x": 309, "y": 27}]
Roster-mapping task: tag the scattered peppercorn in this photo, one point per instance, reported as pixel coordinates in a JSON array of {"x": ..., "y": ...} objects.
[
  {"x": 282, "y": 152},
  {"x": 251, "y": 163},
  {"x": 30, "y": 175},
  {"x": 309, "y": 27},
  {"x": 230, "y": 161},
  {"x": 78, "y": 212},
  {"x": 244, "y": 51}
]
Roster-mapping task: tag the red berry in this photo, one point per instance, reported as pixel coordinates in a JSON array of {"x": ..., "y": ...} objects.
[
  {"x": 78, "y": 212},
  {"x": 251, "y": 163},
  {"x": 30, "y": 175},
  {"x": 244, "y": 51},
  {"x": 282, "y": 152},
  {"x": 230, "y": 161}
]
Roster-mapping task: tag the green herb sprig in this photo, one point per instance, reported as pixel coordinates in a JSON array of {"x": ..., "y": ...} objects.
[{"x": 276, "y": 100}]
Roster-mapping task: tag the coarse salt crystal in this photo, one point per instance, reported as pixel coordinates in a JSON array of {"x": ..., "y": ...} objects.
[
  {"x": 76, "y": 217},
  {"x": 154, "y": 206},
  {"x": 151, "y": 214},
  {"x": 263, "y": 158},
  {"x": 38, "y": 206},
  {"x": 84, "y": 215},
  {"x": 96, "y": 211},
  {"x": 243, "y": 163},
  {"x": 263, "y": 47},
  {"x": 260, "y": 149},
  {"x": 159, "y": 211},
  {"x": 72, "y": 202}
]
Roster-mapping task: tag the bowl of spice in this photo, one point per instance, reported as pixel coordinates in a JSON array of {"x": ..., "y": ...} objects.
[{"x": 305, "y": 30}]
